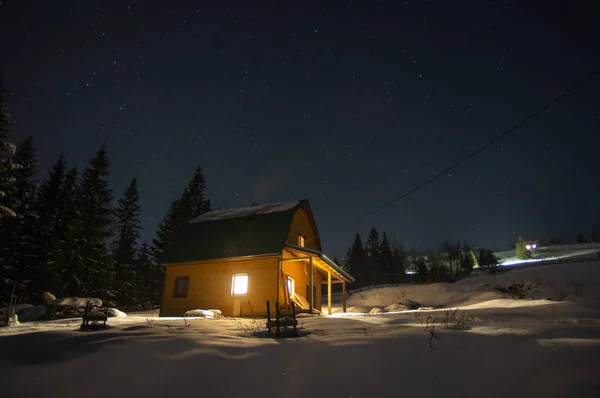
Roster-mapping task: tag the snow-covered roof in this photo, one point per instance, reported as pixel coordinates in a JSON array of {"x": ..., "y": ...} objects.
[{"x": 246, "y": 211}]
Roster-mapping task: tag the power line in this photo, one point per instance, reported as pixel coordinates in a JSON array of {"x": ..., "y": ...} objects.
[{"x": 510, "y": 130}]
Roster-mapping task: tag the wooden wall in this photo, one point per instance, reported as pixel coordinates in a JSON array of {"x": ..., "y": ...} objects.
[
  {"x": 299, "y": 271},
  {"x": 210, "y": 286},
  {"x": 301, "y": 225}
]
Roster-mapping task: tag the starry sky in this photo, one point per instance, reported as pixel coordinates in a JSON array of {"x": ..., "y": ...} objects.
[{"x": 346, "y": 103}]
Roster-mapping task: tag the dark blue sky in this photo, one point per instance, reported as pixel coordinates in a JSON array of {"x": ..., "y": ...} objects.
[{"x": 347, "y": 104}]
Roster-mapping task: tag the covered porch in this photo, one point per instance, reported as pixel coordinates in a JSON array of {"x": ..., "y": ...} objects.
[{"x": 301, "y": 266}]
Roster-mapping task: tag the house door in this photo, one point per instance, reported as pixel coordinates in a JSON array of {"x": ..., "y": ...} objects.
[{"x": 237, "y": 307}]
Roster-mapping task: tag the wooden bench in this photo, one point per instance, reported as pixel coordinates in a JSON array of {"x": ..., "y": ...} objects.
[
  {"x": 89, "y": 317},
  {"x": 286, "y": 326}
]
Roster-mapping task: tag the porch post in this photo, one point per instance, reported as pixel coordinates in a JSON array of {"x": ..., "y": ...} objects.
[
  {"x": 344, "y": 296},
  {"x": 328, "y": 293},
  {"x": 279, "y": 266},
  {"x": 310, "y": 283}
]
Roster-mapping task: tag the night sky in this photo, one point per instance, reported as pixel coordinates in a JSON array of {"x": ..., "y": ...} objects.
[{"x": 347, "y": 104}]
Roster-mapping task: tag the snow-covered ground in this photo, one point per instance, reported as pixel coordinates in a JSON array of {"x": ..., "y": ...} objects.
[{"x": 491, "y": 346}]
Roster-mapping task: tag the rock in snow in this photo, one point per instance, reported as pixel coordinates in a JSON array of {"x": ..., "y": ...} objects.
[
  {"x": 30, "y": 314},
  {"x": 396, "y": 307},
  {"x": 49, "y": 297},
  {"x": 76, "y": 302},
  {"x": 200, "y": 313},
  {"x": 18, "y": 308},
  {"x": 113, "y": 312},
  {"x": 376, "y": 310}
]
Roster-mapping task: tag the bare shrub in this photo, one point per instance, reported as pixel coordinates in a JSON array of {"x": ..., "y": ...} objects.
[
  {"x": 453, "y": 319},
  {"x": 515, "y": 290},
  {"x": 248, "y": 329}
]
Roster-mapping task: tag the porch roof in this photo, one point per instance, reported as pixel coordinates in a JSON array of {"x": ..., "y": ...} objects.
[{"x": 337, "y": 270}]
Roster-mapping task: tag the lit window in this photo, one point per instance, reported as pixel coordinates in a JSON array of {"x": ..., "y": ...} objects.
[
  {"x": 301, "y": 240},
  {"x": 291, "y": 285},
  {"x": 240, "y": 284},
  {"x": 182, "y": 283}
]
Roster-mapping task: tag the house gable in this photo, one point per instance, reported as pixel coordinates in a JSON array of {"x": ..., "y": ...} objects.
[{"x": 304, "y": 224}]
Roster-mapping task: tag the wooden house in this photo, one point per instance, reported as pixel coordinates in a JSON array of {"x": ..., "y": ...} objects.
[{"x": 236, "y": 260}]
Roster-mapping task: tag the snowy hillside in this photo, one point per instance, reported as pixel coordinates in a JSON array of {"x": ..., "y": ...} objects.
[{"x": 578, "y": 282}]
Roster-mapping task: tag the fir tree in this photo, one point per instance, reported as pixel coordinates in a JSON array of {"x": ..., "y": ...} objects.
[
  {"x": 191, "y": 204},
  {"x": 48, "y": 204},
  {"x": 94, "y": 270},
  {"x": 7, "y": 270},
  {"x": 421, "y": 270},
  {"x": 7, "y": 151},
  {"x": 22, "y": 229},
  {"x": 194, "y": 199},
  {"x": 128, "y": 228},
  {"x": 64, "y": 260},
  {"x": 358, "y": 262},
  {"x": 488, "y": 259},
  {"x": 521, "y": 249},
  {"x": 452, "y": 254},
  {"x": 399, "y": 264},
  {"x": 166, "y": 229},
  {"x": 373, "y": 252},
  {"x": 385, "y": 261},
  {"x": 468, "y": 262},
  {"x": 149, "y": 276}
]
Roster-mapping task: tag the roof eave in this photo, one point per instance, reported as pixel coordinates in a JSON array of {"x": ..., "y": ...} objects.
[
  {"x": 325, "y": 259},
  {"x": 248, "y": 257}
]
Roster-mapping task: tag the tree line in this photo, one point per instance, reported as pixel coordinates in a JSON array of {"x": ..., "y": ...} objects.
[
  {"x": 64, "y": 233},
  {"x": 376, "y": 261}
]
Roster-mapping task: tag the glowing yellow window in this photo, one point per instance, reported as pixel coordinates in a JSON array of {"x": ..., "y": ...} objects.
[
  {"x": 291, "y": 285},
  {"x": 239, "y": 284},
  {"x": 301, "y": 240}
]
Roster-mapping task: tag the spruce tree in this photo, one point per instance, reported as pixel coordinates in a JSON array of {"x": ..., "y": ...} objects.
[
  {"x": 166, "y": 229},
  {"x": 194, "y": 198},
  {"x": 467, "y": 262},
  {"x": 399, "y": 264},
  {"x": 373, "y": 252},
  {"x": 94, "y": 268},
  {"x": 191, "y": 204},
  {"x": 358, "y": 262},
  {"x": 7, "y": 166},
  {"x": 7, "y": 151},
  {"x": 48, "y": 205},
  {"x": 421, "y": 270},
  {"x": 23, "y": 228},
  {"x": 385, "y": 261},
  {"x": 521, "y": 249},
  {"x": 488, "y": 260},
  {"x": 128, "y": 227},
  {"x": 149, "y": 277},
  {"x": 64, "y": 260}
]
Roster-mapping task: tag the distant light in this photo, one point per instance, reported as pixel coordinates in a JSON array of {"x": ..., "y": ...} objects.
[
  {"x": 528, "y": 247},
  {"x": 534, "y": 246}
]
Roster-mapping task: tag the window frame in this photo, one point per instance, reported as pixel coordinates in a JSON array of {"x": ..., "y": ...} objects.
[
  {"x": 178, "y": 279},
  {"x": 292, "y": 291},
  {"x": 301, "y": 240},
  {"x": 233, "y": 293}
]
